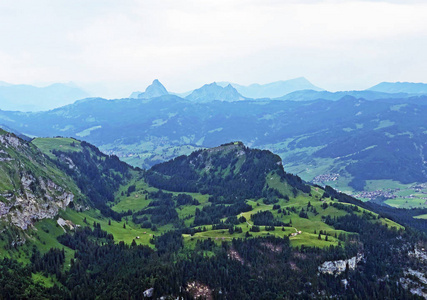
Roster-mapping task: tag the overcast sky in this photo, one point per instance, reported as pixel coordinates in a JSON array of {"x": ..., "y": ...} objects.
[{"x": 112, "y": 48}]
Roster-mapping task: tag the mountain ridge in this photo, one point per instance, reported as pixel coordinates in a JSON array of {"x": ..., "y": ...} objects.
[
  {"x": 213, "y": 91},
  {"x": 158, "y": 130},
  {"x": 310, "y": 95},
  {"x": 31, "y": 98},
  {"x": 273, "y": 89},
  {"x": 400, "y": 87}
]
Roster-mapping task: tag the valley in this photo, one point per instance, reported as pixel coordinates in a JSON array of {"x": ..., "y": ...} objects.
[{"x": 314, "y": 138}]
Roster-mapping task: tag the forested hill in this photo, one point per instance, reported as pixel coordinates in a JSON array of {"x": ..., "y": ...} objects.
[
  {"x": 313, "y": 138},
  {"x": 231, "y": 171},
  {"x": 228, "y": 223},
  {"x": 96, "y": 174}
]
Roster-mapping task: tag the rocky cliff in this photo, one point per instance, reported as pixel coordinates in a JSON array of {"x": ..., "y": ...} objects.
[{"x": 31, "y": 187}]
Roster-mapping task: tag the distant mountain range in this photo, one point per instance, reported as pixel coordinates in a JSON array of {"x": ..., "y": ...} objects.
[
  {"x": 317, "y": 133},
  {"x": 400, "y": 87},
  {"x": 346, "y": 137},
  {"x": 24, "y": 97},
  {"x": 253, "y": 91},
  {"x": 31, "y": 98},
  {"x": 308, "y": 95},
  {"x": 207, "y": 92},
  {"x": 298, "y": 89},
  {"x": 273, "y": 89}
]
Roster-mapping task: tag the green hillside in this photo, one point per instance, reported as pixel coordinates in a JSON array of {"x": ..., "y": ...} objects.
[
  {"x": 99, "y": 176},
  {"x": 336, "y": 149},
  {"x": 226, "y": 208},
  {"x": 31, "y": 186},
  {"x": 222, "y": 185}
]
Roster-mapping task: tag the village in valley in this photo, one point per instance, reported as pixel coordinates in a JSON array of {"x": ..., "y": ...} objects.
[{"x": 407, "y": 196}]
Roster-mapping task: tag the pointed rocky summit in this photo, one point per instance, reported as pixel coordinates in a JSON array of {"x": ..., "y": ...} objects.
[
  {"x": 156, "y": 89},
  {"x": 213, "y": 91}
]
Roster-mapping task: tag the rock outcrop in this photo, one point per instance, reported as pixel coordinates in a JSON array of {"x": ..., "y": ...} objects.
[
  {"x": 415, "y": 280},
  {"x": 29, "y": 190},
  {"x": 24, "y": 209},
  {"x": 336, "y": 267}
]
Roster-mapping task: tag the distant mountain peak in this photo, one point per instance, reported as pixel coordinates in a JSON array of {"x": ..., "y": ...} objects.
[
  {"x": 156, "y": 89},
  {"x": 213, "y": 91}
]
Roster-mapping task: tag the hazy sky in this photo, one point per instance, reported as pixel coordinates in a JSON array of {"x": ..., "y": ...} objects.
[{"x": 112, "y": 48}]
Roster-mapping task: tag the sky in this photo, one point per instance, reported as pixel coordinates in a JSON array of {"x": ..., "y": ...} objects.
[{"x": 112, "y": 48}]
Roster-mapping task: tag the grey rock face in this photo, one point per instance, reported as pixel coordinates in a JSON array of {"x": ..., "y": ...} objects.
[
  {"x": 415, "y": 280},
  {"x": 23, "y": 210},
  {"x": 9, "y": 140},
  {"x": 33, "y": 197},
  {"x": 336, "y": 267}
]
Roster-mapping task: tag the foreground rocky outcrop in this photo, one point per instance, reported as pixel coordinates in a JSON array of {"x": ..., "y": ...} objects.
[
  {"x": 30, "y": 188},
  {"x": 26, "y": 208}
]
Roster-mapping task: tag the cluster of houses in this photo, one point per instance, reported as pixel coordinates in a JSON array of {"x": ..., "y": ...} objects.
[
  {"x": 320, "y": 179},
  {"x": 386, "y": 194}
]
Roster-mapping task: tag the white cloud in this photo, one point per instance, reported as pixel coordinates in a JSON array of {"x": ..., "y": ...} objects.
[{"x": 125, "y": 44}]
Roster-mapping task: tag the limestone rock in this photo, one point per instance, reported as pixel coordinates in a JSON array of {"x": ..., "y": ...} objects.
[{"x": 336, "y": 267}]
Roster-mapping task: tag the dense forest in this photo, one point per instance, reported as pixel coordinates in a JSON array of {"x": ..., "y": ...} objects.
[
  {"x": 235, "y": 259},
  {"x": 262, "y": 268},
  {"x": 97, "y": 175},
  {"x": 231, "y": 171}
]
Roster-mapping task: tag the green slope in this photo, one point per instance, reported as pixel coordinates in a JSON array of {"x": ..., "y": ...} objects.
[
  {"x": 31, "y": 186},
  {"x": 228, "y": 209},
  {"x": 232, "y": 175},
  {"x": 224, "y": 182}
]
